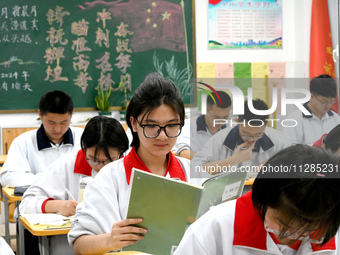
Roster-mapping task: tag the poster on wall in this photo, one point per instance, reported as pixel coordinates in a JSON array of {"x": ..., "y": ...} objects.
[{"x": 245, "y": 24}]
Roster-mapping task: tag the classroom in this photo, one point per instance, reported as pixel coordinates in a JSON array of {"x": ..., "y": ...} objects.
[{"x": 97, "y": 49}]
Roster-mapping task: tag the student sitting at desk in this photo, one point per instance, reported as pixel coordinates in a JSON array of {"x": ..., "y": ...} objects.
[
  {"x": 287, "y": 212},
  {"x": 309, "y": 128},
  {"x": 155, "y": 115},
  {"x": 197, "y": 132},
  {"x": 102, "y": 142},
  {"x": 32, "y": 152},
  {"x": 249, "y": 143}
]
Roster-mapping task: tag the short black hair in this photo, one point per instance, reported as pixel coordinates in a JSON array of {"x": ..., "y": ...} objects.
[
  {"x": 105, "y": 133},
  {"x": 255, "y": 120},
  {"x": 323, "y": 85},
  {"x": 302, "y": 195},
  {"x": 225, "y": 99},
  {"x": 152, "y": 93},
  {"x": 332, "y": 141},
  {"x": 56, "y": 101}
]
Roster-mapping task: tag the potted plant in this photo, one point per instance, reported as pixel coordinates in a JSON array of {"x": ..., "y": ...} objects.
[
  {"x": 102, "y": 100},
  {"x": 124, "y": 86}
]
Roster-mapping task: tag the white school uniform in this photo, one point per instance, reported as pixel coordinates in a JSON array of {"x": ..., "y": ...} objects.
[
  {"x": 224, "y": 143},
  {"x": 32, "y": 152},
  {"x": 5, "y": 249},
  {"x": 194, "y": 135},
  {"x": 106, "y": 199},
  {"x": 236, "y": 228},
  {"x": 309, "y": 128},
  {"x": 66, "y": 172}
]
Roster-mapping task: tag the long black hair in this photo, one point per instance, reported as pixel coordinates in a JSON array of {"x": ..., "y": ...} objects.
[
  {"x": 104, "y": 133},
  {"x": 152, "y": 93}
]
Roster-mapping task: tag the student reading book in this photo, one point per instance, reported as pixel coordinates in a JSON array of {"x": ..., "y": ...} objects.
[
  {"x": 155, "y": 116},
  {"x": 168, "y": 214}
]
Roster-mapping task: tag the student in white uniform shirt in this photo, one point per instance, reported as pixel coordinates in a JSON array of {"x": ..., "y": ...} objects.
[
  {"x": 196, "y": 132},
  {"x": 155, "y": 115},
  {"x": 249, "y": 143},
  {"x": 32, "y": 152},
  {"x": 311, "y": 127},
  {"x": 102, "y": 142},
  {"x": 286, "y": 213}
]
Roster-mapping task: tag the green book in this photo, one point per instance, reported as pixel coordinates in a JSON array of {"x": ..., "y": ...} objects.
[{"x": 169, "y": 206}]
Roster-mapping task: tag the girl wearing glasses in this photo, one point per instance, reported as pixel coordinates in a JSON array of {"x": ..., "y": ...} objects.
[
  {"x": 155, "y": 116},
  {"x": 292, "y": 210},
  {"x": 56, "y": 191}
]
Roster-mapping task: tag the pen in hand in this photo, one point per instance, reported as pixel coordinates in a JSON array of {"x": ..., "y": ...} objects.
[{"x": 69, "y": 194}]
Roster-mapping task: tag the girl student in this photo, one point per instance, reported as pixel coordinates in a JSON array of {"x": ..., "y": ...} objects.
[
  {"x": 155, "y": 116},
  {"x": 287, "y": 212},
  {"x": 103, "y": 141}
]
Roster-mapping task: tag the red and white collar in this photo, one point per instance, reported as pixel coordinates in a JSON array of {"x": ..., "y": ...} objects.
[
  {"x": 81, "y": 166},
  {"x": 132, "y": 160},
  {"x": 249, "y": 229}
]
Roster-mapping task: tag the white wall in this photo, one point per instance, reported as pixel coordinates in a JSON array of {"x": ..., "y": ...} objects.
[{"x": 295, "y": 52}]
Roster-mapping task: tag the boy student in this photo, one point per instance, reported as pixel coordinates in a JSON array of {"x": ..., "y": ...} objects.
[
  {"x": 103, "y": 141},
  {"x": 31, "y": 152},
  {"x": 197, "y": 132},
  {"x": 287, "y": 212},
  {"x": 309, "y": 128},
  {"x": 247, "y": 144}
]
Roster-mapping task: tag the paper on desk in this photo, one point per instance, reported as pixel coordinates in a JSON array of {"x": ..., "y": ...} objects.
[{"x": 45, "y": 218}]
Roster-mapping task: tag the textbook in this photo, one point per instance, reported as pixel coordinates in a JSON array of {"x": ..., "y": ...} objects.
[{"x": 169, "y": 206}]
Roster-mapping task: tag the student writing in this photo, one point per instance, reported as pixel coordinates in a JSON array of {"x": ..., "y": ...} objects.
[
  {"x": 102, "y": 142},
  {"x": 31, "y": 152}
]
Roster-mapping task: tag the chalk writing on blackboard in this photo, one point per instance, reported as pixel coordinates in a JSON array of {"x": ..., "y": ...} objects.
[{"x": 75, "y": 45}]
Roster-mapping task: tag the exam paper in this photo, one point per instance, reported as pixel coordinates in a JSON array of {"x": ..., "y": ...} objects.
[{"x": 45, "y": 218}]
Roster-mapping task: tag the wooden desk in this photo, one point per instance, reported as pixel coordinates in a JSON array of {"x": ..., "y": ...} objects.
[
  {"x": 124, "y": 253},
  {"x": 9, "y": 198},
  {"x": 249, "y": 182},
  {"x": 42, "y": 232}
]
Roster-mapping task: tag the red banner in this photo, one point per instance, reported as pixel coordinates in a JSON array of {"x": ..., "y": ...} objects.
[{"x": 321, "y": 50}]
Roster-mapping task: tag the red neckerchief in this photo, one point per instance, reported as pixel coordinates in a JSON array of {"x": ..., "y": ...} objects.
[
  {"x": 132, "y": 160},
  {"x": 249, "y": 229},
  {"x": 81, "y": 166}
]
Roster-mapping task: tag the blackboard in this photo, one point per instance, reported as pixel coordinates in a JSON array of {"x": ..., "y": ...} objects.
[{"x": 74, "y": 45}]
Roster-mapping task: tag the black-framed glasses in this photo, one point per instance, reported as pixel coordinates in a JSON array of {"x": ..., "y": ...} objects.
[
  {"x": 153, "y": 130},
  {"x": 324, "y": 103},
  {"x": 98, "y": 162}
]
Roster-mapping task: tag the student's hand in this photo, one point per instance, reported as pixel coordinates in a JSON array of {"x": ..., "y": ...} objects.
[
  {"x": 69, "y": 208},
  {"x": 122, "y": 234},
  {"x": 244, "y": 151}
]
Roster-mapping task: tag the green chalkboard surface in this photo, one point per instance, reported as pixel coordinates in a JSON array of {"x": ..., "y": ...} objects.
[{"x": 74, "y": 45}]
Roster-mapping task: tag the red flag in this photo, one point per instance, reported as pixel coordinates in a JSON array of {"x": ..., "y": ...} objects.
[
  {"x": 321, "y": 50},
  {"x": 214, "y": 2}
]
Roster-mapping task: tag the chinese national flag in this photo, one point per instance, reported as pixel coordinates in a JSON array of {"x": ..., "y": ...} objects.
[{"x": 321, "y": 50}]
